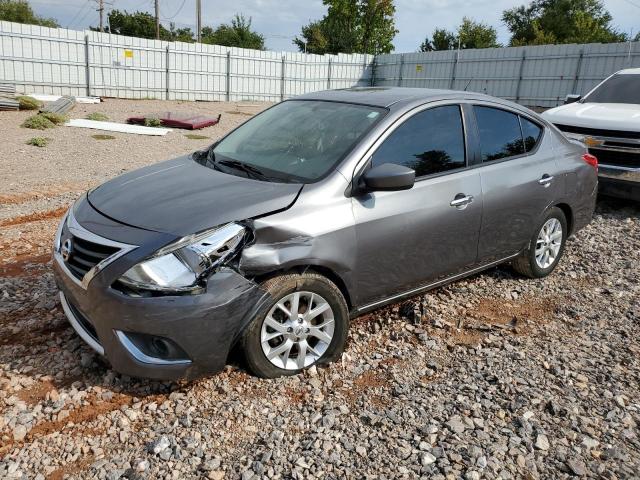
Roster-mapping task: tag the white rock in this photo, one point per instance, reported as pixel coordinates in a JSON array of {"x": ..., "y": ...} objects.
[{"x": 542, "y": 442}]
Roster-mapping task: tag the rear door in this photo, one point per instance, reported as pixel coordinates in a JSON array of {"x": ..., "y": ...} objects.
[
  {"x": 407, "y": 238},
  {"x": 519, "y": 179}
]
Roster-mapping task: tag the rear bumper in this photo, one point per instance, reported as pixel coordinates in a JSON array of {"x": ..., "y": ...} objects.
[{"x": 620, "y": 182}]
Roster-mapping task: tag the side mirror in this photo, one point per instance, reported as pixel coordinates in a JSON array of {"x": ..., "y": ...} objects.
[
  {"x": 572, "y": 98},
  {"x": 389, "y": 177}
]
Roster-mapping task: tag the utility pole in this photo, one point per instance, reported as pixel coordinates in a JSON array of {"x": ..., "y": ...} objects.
[
  {"x": 198, "y": 21},
  {"x": 100, "y": 10},
  {"x": 157, "y": 19}
]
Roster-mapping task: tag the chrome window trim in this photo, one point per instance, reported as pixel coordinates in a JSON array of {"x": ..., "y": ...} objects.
[
  {"x": 77, "y": 326},
  {"x": 79, "y": 231},
  {"x": 142, "y": 357}
]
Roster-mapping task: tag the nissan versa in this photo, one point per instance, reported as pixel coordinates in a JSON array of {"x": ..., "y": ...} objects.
[{"x": 310, "y": 213}]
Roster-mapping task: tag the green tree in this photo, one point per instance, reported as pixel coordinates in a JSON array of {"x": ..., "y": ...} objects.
[
  {"x": 180, "y": 34},
  {"x": 143, "y": 25},
  {"x": 377, "y": 26},
  {"x": 442, "y": 39},
  {"x": 561, "y": 21},
  {"x": 351, "y": 26},
  {"x": 476, "y": 35},
  {"x": 238, "y": 34},
  {"x": 20, "y": 11},
  {"x": 469, "y": 34},
  {"x": 136, "y": 24}
]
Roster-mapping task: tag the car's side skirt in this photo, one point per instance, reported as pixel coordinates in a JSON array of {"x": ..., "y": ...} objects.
[{"x": 429, "y": 286}]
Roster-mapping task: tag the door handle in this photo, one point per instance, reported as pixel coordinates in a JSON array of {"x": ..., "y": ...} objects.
[
  {"x": 545, "y": 181},
  {"x": 461, "y": 201}
]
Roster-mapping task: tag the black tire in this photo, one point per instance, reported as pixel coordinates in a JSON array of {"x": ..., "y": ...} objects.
[
  {"x": 526, "y": 263},
  {"x": 277, "y": 288}
]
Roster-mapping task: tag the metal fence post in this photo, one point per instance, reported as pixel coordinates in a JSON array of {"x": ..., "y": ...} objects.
[
  {"x": 374, "y": 63},
  {"x": 87, "y": 64},
  {"x": 228, "y": 75},
  {"x": 329, "y": 75},
  {"x": 400, "y": 71},
  {"x": 454, "y": 70},
  {"x": 524, "y": 57},
  {"x": 282, "y": 88},
  {"x": 577, "y": 75},
  {"x": 167, "y": 75}
]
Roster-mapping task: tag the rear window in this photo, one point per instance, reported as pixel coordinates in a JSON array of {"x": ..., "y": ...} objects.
[
  {"x": 621, "y": 88},
  {"x": 500, "y": 134}
]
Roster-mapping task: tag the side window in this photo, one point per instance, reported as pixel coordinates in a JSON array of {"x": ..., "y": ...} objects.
[
  {"x": 531, "y": 133},
  {"x": 429, "y": 142},
  {"x": 500, "y": 135}
]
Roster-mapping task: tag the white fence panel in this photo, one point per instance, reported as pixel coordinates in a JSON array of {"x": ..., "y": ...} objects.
[
  {"x": 256, "y": 75},
  {"x": 534, "y": 75},
  {"x": 197, "y": 72},
  {"x": 353, "y": 70},
  {"x": 41, "y": 59},
  {"x": 305, "y": 73},
  {"x": 59, "y": 61},
  {"x": 127, "y": 67}
]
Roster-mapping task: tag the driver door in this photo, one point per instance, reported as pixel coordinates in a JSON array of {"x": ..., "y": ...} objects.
[{"x": 409, "y": 238}]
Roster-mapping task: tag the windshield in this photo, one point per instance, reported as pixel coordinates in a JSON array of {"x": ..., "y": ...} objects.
[
  {"x": 621, "y": 88},
  {"x": 298, "y": 140}
]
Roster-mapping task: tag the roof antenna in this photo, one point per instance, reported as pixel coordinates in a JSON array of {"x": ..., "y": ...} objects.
[{"x": 468, "y": 83}]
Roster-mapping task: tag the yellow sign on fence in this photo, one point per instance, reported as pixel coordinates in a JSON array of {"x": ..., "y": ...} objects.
[
  {"x": 418, "y": 68},
  {"x": 128, "y": 54}
]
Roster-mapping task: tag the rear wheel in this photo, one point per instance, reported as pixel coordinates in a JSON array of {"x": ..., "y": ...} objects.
[
  {"x": 303, "y": 321},
  {"x": 545, "y": 248}
]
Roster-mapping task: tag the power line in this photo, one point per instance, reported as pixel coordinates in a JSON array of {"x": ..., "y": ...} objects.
[
  {"x": 177, "y": 12},
  {"x": 81, "y": 19},
  {"x": 78, "y": 13}
]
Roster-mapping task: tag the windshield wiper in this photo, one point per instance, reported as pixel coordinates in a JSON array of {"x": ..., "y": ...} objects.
[{"x": 250, "y": 170}]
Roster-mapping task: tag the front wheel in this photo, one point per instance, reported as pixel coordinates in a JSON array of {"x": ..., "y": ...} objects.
[
  {"x": 545, "y": 248},
  {"x": 303, "y": 321}
]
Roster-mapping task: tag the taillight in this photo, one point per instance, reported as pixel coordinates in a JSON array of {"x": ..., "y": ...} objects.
[{"x": 591, "y": 160}]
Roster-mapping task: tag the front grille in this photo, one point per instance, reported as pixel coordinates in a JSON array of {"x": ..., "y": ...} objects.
[
  {"x": 620, "y": 159},
  {"x": 598, "y": 132},
  {"x": 85, "y": 255},
  {"x": 84, "y": 322}
]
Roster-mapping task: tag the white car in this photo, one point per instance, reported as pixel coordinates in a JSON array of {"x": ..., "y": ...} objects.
[{"x": 607, "y": 120}]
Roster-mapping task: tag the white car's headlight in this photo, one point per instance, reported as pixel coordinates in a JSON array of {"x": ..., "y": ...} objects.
[{"x": 181, "y": 265}]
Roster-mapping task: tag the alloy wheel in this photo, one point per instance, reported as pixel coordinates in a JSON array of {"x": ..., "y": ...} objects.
[
  {"x": 548, "y": 243},
  {"x": 297, "y": 331}
]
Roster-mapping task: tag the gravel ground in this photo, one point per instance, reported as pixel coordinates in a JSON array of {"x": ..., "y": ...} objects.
[{"x": 491, "y": 377}]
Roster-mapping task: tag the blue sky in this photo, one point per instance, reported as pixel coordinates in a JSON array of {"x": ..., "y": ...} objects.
[{"x": 280, "y": 20}]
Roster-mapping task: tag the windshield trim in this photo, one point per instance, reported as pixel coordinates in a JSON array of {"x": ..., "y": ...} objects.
[{"x": 334, "y": 168}]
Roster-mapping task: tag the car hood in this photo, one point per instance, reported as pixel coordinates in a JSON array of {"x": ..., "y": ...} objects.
[
  {"x": 182, "y": 197},
  {"x": 614, "y": 116}
]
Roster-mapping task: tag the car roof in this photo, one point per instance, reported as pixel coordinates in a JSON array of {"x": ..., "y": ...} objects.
[
  {"x": 388, "y": 96},
  {"x": 629, "y": 71}
]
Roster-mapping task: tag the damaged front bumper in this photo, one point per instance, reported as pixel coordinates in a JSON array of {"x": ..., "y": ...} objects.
[{"x": 164, "y": 337}]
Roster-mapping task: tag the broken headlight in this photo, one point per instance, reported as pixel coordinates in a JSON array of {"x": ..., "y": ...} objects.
[{"x": 181, "y": 265}]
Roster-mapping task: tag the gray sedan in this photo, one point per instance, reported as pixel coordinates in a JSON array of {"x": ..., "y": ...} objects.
[{"x": 314, "y": 211}]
